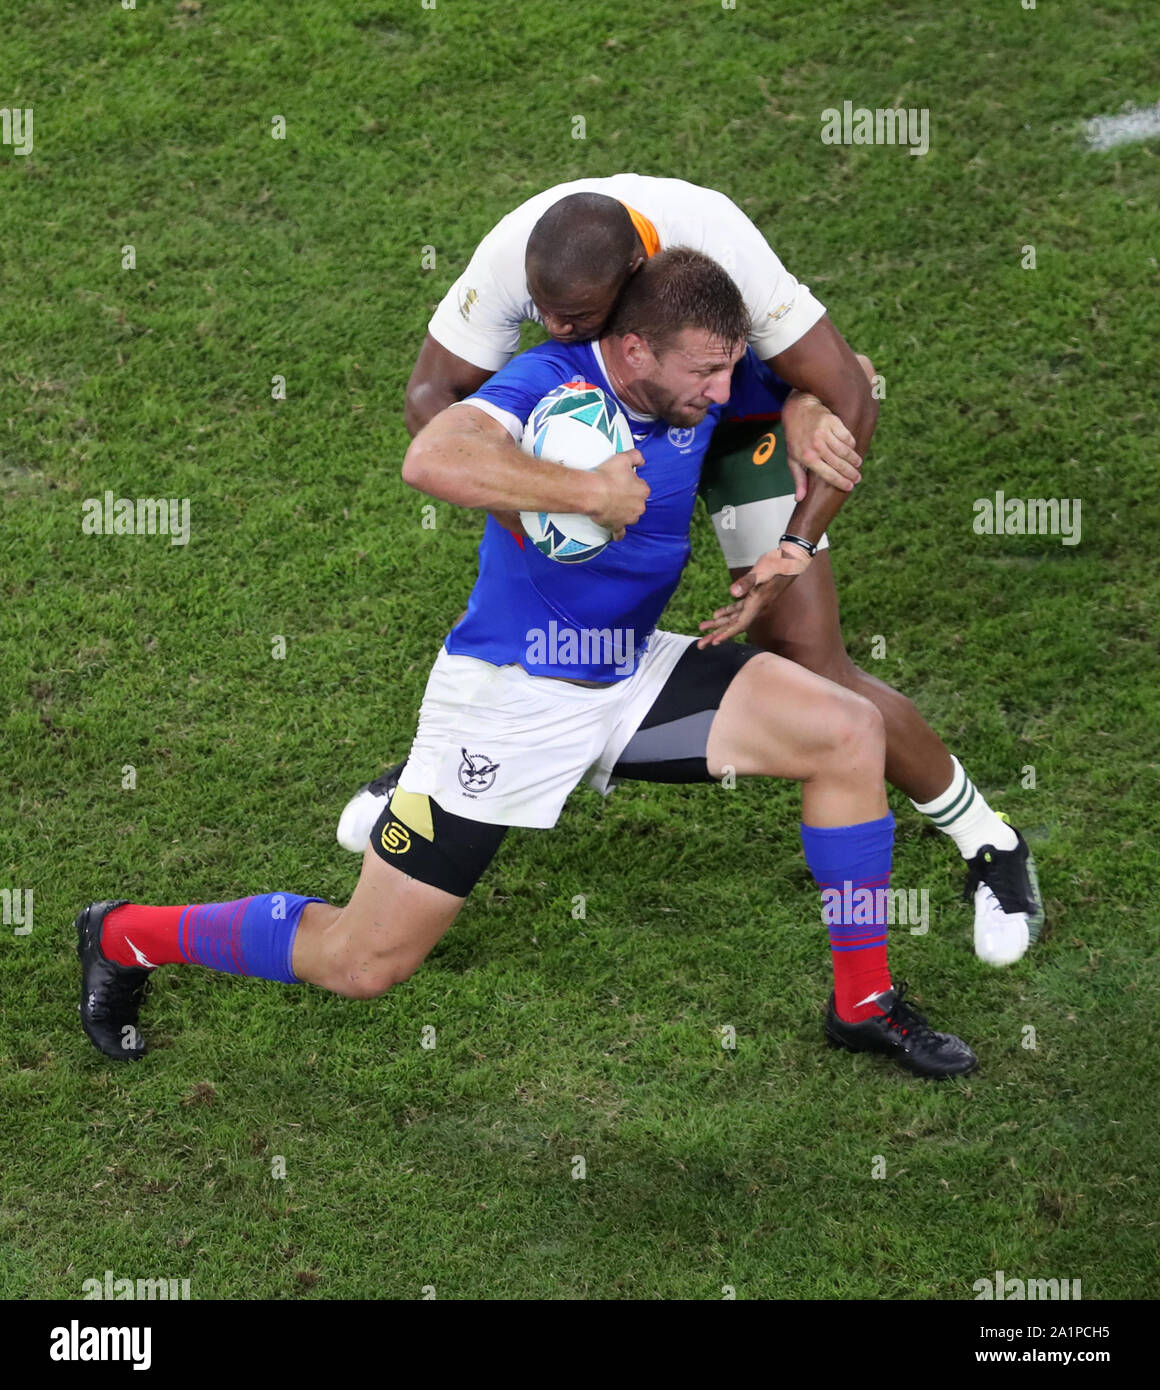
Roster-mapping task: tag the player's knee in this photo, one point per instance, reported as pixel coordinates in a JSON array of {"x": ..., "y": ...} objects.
[
  {"x": 370, "y": 977},
  {"x": 856, "y": 727}
]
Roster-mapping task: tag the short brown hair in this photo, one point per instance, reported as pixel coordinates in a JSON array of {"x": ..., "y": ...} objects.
[{"x": 680, "y": 288}]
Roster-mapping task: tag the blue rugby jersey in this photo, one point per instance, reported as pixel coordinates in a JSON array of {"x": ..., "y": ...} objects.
[
  {"x": 588, "y": 621},
  {"x": 755, "y": 391}
]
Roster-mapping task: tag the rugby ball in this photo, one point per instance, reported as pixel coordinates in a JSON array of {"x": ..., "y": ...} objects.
[{"x": 576, "y": 425}]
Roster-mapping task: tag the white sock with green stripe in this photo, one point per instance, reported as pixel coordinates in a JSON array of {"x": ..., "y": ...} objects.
[{"x": 963, "y": 814}]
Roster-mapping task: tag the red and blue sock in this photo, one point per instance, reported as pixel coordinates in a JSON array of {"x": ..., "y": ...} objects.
[
  {"x": 252, "y": 936},
  {"x": 844, "y": 859}
]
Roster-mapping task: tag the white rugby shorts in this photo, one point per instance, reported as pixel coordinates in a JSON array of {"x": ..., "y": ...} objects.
[{"x": 495, "y": 744}]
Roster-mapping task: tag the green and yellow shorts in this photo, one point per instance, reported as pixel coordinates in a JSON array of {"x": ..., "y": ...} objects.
[{"x": 746, "y": 484}]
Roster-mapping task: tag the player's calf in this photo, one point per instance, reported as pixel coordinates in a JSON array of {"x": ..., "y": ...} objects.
[
  {"x": 777, "y": 719},
  {"x": 360, "y": 951},
  {"x": 379, "y": 939},
  {"x": 1001, "y": 880}
]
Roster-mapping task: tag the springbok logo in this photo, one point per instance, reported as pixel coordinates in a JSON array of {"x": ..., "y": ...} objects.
[{"x": 476, "y": 772}]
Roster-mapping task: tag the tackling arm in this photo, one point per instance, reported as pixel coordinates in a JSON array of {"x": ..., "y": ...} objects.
[
  {"x": 439, "y": 378},
  {"x": 822, "y": 363}
]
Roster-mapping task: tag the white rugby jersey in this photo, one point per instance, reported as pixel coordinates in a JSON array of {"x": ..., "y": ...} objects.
[{"x": 479, "y": 317}]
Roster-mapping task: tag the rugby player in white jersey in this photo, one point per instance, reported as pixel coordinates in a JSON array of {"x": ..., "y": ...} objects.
[{"x": 561, "y": 259}]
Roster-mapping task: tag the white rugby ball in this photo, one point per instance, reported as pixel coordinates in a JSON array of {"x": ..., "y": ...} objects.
[{"x": 579, "y": 426}]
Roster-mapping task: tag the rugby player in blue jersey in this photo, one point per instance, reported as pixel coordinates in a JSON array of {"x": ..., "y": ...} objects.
[
  {"x": 509, "y": 725},
  {"x": 561, "y": 259}
]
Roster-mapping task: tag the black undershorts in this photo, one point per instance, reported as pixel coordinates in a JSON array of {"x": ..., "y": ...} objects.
[{"x": 420, "y": 838}]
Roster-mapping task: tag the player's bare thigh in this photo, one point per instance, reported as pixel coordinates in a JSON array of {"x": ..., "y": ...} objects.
[
  {"x": 379, "y": 939},
  {"x": 778, "y": 719}
]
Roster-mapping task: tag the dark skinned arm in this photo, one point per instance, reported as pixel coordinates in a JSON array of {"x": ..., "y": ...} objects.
[
  {"x": 821, "y": 363},
  {"x": 438, "y": 380}
]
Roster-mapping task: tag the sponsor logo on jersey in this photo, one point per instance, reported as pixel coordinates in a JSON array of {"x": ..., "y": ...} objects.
[
  {"x": 780, "y": 312},
  {"x": 765, "y": 447},
  {"x": 396, "y": 838},
  {"x": 476, "y": 772},
  {"x": 467, "y": 299},
  {"x": 681, "y": 438}
]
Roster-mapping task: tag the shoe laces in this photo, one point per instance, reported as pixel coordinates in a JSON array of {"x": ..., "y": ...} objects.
[
  {"x": 122, "y": 993},
  {"x": 904, "y": 1018},
  {"x": 989, "y": 896}
]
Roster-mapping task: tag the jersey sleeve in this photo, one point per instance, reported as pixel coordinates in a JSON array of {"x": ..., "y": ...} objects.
[
  {"x": 781, "y": 308},
  {"x": 514, "y": 392},
  {"x": 479, "y": 317}
]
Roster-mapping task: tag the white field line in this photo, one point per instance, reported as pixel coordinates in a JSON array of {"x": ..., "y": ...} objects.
[{"x": 1138, "y": 123}]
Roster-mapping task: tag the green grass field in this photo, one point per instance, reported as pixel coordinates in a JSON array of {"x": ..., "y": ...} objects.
[{"x": 409, "y": 1167}]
